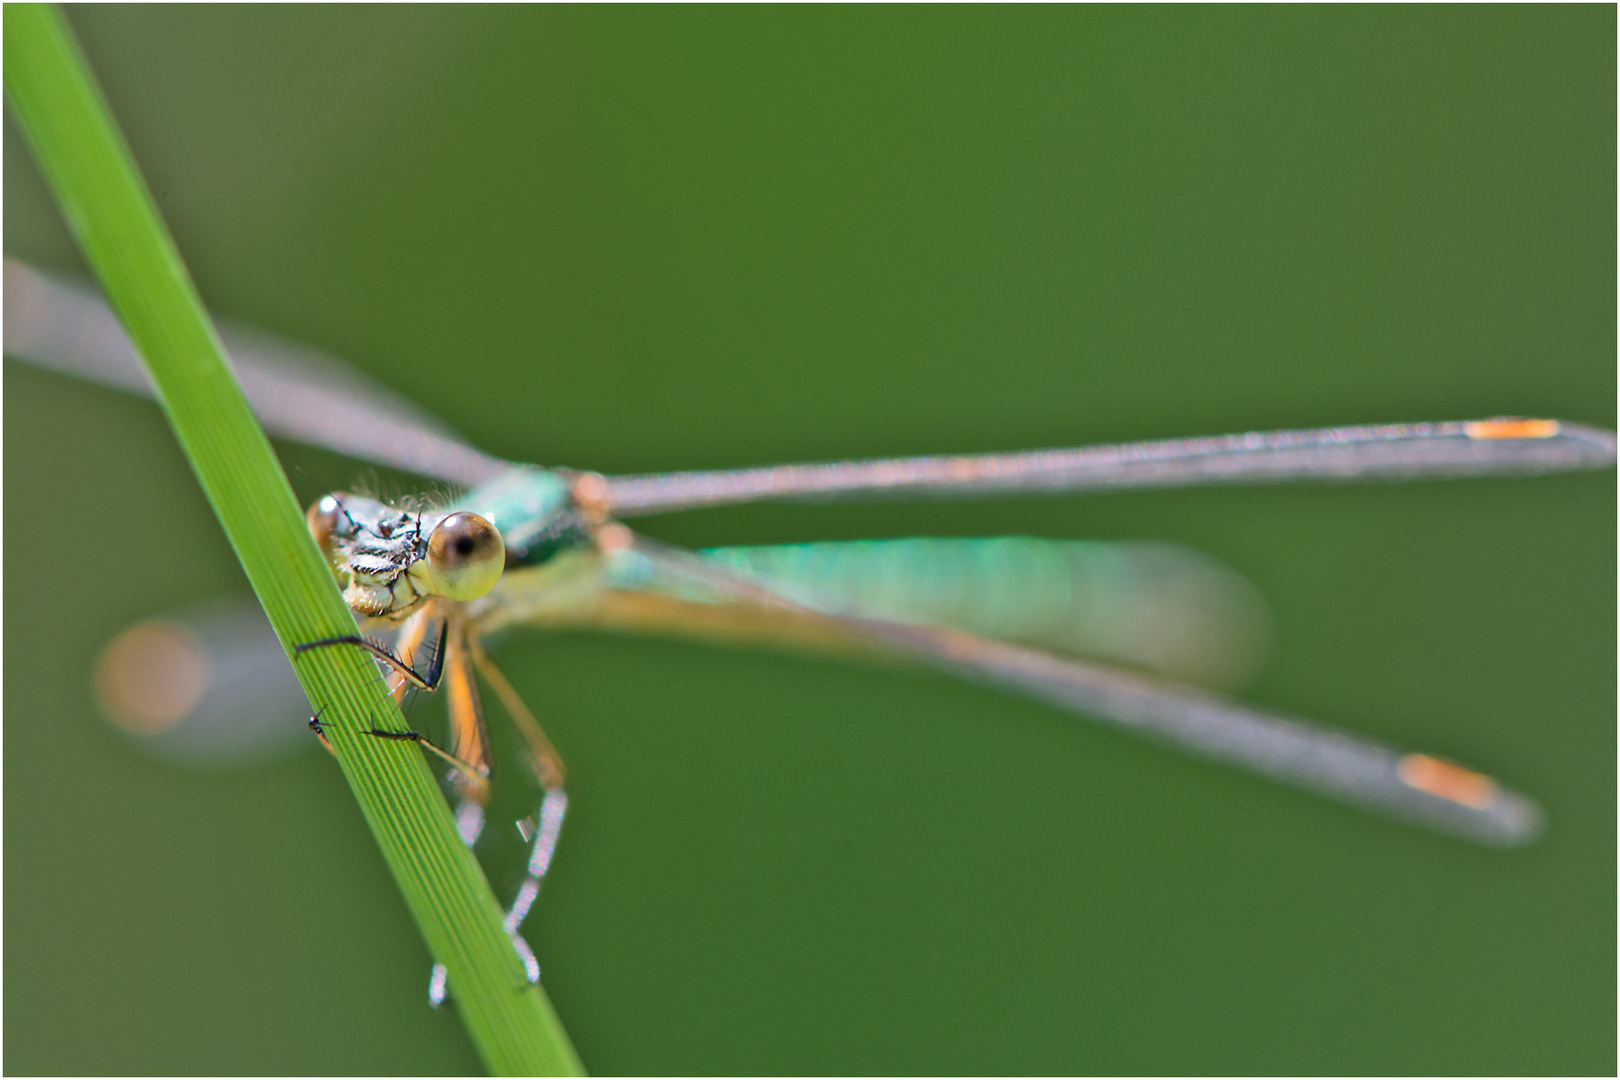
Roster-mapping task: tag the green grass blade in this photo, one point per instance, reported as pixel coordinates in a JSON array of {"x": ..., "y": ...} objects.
[{"x": 107, "y": 206}]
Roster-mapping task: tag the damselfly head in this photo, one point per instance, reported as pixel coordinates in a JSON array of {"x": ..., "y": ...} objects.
[{"x": 390, "y": 559}]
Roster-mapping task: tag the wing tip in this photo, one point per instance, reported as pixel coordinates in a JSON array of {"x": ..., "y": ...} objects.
[
  {"x": 1521, "y": 818},
  {"x": 1594, "y": 446},
  {"x": 1513, "y": 820},
  {"x": 1476, "y": 804},
  {"x": 1512, "y": 427}
]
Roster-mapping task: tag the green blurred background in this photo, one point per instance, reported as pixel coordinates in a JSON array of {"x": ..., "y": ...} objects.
[{"x": 632, "y": 239}]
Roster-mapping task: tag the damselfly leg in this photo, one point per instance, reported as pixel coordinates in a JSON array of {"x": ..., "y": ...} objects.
[
  {"x": 453, "y": 666},
  {"x": 395, "y": 663}
]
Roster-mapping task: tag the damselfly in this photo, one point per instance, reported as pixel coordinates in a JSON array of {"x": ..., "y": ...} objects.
[{"x": 548, "y": 547}]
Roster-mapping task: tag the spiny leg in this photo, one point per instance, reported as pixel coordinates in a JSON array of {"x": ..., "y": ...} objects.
[
  {"x": 544, "y": 759},
  {"x": 429, "y": 682},
  {"x": 469, "y": 740},
  {"x": 553, "y": 808},
  {"x": 552, "y": 776},
  {"x": 468, "y": 755},
  {"x": 468, "y": 752},
  {"x": 466, "y": 771},
  {"x": 410, "y": 640},
  {"x": 469, "y": 816},
  {"x": 469, "y": 746},
  {"x": 413, "y": 639}
]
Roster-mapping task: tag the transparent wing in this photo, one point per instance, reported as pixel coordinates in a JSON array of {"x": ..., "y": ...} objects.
[
  {"x": 1166, "y": 608},
  {"x": 1502, "y": 446},
  {"x": 298, "y": 392},
  {"x": 1419, "y": 788},
  {"x": 208, "y": 687}
]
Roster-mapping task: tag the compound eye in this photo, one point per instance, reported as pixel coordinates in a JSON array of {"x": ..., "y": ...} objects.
[
  {"x": 323, "y": 520},
  {"x": 465, "y": 556}
]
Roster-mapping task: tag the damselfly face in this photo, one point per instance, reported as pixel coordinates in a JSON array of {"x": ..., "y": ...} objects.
[{"x": 390, "y": 561}]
